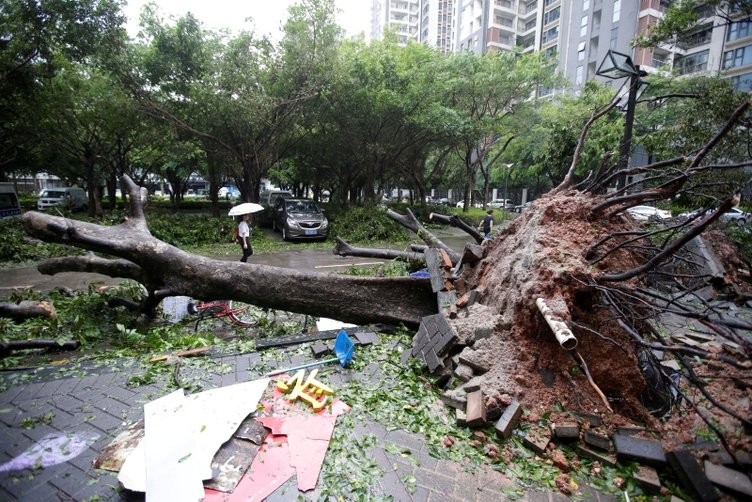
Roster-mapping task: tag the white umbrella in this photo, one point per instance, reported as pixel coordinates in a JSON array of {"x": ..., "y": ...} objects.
[{"x": 245, "y": 208}]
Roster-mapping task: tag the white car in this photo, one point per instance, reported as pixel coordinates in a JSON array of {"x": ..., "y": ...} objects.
[
  {"x": 645, "y": 213},
  {"x": 737, "y": 216},
  {"x": 501, "y": 204}
]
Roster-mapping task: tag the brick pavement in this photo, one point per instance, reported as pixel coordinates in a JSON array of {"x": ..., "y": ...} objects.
[{"x": 98, "y": 400}]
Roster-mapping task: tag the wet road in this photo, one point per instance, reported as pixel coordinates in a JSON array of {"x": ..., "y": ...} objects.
[{"x": 319, "y": 260}]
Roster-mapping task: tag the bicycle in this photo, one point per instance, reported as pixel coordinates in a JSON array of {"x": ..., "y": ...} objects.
[{"x": 238, "y": 315}]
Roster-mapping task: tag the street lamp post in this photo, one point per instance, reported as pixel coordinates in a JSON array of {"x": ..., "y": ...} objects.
[
  {"x": 615, "y": 66},
  {"x": 506, "y": 181}
]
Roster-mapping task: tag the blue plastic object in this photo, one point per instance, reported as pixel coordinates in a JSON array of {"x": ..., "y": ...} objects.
[
  {"x": 344, "y": 348},
  {"x": 420, "y": 273}
]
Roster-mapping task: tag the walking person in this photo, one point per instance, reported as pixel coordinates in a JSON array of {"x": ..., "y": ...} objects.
[
  {"x": 244, "y": 236},
  {"x": 486, "y": 225}
]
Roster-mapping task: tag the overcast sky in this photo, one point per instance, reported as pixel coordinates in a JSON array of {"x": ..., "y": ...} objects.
[{"x": 267, "y": 15}]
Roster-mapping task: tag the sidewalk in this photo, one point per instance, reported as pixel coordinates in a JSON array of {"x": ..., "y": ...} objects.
[{"x": 97, "y": 400}]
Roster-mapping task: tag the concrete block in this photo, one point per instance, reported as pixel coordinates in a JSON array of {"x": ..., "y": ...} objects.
[
  {"x": 644, "y": 451},
  {"x": 597, "y": 440},
  {"x": 509, "y": 420},
  {"x": 476, "y": 409},
  {"x": 537, "y": 438},
  {"x": 461, "y": 417},
  {"x": 567, "y": 430},
  {"x": 455, "y": 398},
  {"x": 472, "y": 253},
  {"x": 603, "y": 458},
  {"x": 472, "y": 385},
  {"x": 729, "y": 480},
  {"x": 691, "y": 476},
  {"x": 647, "y": 477},
  {"x": 463, "y": 372},
  {"x": 593, "y": 420}
]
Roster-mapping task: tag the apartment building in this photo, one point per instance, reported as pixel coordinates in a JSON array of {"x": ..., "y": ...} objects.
[{"x": 578, "y": 33}]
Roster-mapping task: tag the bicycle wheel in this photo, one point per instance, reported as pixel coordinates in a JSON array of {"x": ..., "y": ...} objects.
[{"x": 242, "y": 314}]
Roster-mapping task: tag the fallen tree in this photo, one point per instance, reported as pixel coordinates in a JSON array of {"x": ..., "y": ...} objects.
[
  {"x": 165, "y": 270},
  {"x": 575, "y": 248}
]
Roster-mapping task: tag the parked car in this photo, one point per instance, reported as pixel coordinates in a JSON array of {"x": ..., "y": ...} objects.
[
  {"x": 522, "y": 207},
  {"x": 268, "y": 198},
  {"x": 9, "y": 205},
  {"x": 462, "y": 204},
  {"x": 73, "y": 198},
  {"x": 299, "y": 219},
  {"x": 501, "y": 204},
  {"x": 733, "y": 215},
  {"x": 228, "y": 192},
  {"x": 648, "y": 213},
  {"x": 736, "y": 215}
]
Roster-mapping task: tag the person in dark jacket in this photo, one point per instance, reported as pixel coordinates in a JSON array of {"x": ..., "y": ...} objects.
[{"x": 487, "y": 224}]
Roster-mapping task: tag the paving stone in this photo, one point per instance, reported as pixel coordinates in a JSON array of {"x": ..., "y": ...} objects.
[
  {"x": 455, "y": 398},
  {"x": 602, "y": 457},
  {"x": 647, "y": 477},
  {"x": 729, "y": 479},
  {"x": 597, "y": 440},
  {"x": 434, "y": 481},
  {"x": 537, "y": 438},
  {"x": 403, "y": 439},
  {"x": 366, "y": 337},
  {"x": 475, "y": 409},
  {"x": 691, "y": 475},
  {"x": 433, "y": 361},
  {"x": 461, "y": 417},
  {"x": 463, "y": 372},
  {"x": 509, "y": 419},
  {"x": 593, "y": 420},
  {"x": 319, "y": 349},
  {"x": 567, "y": 431},
  {"x": 645, "y": 451}
]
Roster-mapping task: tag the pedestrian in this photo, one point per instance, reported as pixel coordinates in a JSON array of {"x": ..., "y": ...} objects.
[
  {"x": 244, "y": 236},
  {"x": 486, "y": 225}
]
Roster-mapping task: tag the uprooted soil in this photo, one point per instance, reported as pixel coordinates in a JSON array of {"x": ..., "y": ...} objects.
[{"x": 542, "y": 254}]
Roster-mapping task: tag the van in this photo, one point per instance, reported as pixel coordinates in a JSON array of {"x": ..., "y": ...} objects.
[
  {"x": 267, "y": 198},
  {"x": 9, "y": 205},
  {"x": 73, "y": 198}
]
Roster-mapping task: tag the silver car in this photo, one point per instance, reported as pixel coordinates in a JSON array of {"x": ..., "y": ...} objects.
[{"x": 299, "y": 219}]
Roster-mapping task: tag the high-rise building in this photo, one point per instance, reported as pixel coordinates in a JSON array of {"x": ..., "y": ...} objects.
[{"x": 578, "y": 33}]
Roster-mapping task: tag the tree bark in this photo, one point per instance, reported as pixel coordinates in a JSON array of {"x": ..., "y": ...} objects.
[
  {"x": 342, "y": 248},
  {"x": 26, "y": 310},
  {"x": 168, "y": 271}
]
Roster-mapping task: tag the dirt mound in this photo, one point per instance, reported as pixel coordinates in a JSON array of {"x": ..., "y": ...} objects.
[{"x": 542, "y": 254}]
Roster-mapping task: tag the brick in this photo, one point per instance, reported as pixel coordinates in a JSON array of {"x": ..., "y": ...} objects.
[
  {"x": 597, "y": 440},
  {"x": 445, "y": 298},
  {"x": 602, "y": 457},
  {"x": 509, "y": 419},
  {"x": 729, "y": 479},
  {"x": 476, "y": 409},
  {"x": 446, "y": 262},
  {"x": 593, "y": 420},
  {"x": 647, "y": 477},
  {"x": 567, "y": 430},
  {"x": 645, "y": 451},
  {"x": 537, "y": 438},
  {"x": 452, "y": 313},
  {"x": 691, "y": 476},
  {"x": 460, "y": 286}
]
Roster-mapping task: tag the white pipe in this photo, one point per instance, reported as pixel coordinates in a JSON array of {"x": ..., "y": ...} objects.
[{"x": 563, "y": 334}]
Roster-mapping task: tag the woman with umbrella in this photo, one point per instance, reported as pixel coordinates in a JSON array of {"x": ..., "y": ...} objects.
[{"x": 244, "y": 227}]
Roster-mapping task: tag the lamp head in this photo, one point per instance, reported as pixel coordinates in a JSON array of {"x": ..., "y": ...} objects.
[{"x": 617, "y": 65}]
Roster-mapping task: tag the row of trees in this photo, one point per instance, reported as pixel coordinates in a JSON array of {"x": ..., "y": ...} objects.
[{"x": 84, "y": 102}]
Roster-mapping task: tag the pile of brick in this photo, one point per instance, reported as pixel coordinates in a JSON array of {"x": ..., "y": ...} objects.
[{"x": 440, "y": 348}]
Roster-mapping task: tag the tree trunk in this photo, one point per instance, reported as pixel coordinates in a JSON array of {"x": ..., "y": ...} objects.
[
  {"x": 26, "y": 310},
  {"x": 168, "y": 271}
]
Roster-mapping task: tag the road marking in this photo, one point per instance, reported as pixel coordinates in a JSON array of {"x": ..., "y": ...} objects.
[{"x": 350, "y": 264}]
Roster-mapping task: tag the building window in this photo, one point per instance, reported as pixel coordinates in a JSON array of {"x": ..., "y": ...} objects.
[
  {"x": 614, "y": 38},
  {"x": 583, "y": 26},
  {"x": 551, "y": 16},
  {"x": 546, "y": 3},
  {"x": 578, "y": 78},
  {"x": 737, "y": 57},
  {"x": 581, "y": 52},
  {"x": 699, "y": 37},
  {"x": 742, "y": 83},
  {"x": 551, "y": 51},
  {"x": 617, "y": 11},
  {"x": 504, "y": 3},
  {"x": 550, "y": 35},
  {"x": 739, "y": 29},
  {"x": 585, "y": 5},
  {"x": 692, "y": 63}
]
